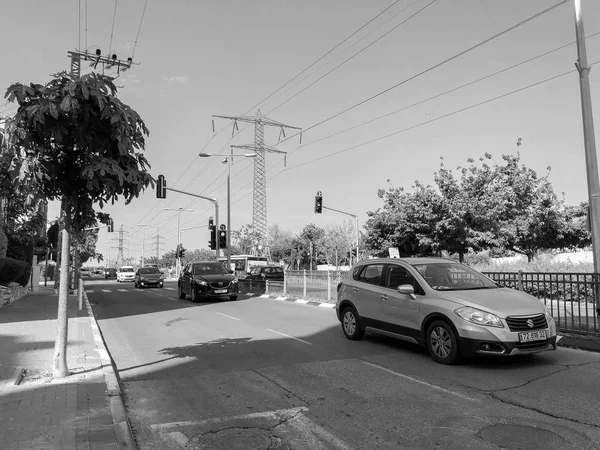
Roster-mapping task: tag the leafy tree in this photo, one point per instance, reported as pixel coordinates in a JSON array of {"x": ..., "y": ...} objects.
[
  {"x": 280, "y": 244},
  {"x": 312, "y": 236},
  {"x": 574, "y": 233},
  {"x": 73, "y": 140},
  {"x": 337, "y": 243},
  {"x": 245, "y": 239},
  {"x": 202, "y": 254}
]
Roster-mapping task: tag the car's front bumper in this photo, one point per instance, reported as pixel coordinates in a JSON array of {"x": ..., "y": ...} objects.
[
  {"x": 151, "y": 283},
  {"x": 209, "y": 291},
  {"x": 481, "y": 340}
]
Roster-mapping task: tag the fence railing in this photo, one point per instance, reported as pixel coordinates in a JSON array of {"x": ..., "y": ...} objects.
[{"x": 571, "y": 297}]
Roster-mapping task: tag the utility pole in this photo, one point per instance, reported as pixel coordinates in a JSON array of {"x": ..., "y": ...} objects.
[
  {"x": 590, "y": 145},
  {"x": 259, "y": 210},
  {"x": 143, "y": 239},
  {"x": 179, "y": 210}
]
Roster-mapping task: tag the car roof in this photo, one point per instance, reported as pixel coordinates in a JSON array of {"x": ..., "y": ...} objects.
[{"x": 410, "y": 260}]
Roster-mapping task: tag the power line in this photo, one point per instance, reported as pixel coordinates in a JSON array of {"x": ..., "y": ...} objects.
[
  {"x": 139, "y": 29},
  {"x": 506, "y": 69},
  {"x": 435, "y": 66},
  {"x": 113, "y": 27},
  {"x": 353, "y": 56}
]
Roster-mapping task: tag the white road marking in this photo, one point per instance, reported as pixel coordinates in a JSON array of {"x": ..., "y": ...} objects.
[
  {"x": 174, "y": 299},
  {"x": 265, "y": 296},
  {"x": 90, "y": 291},
  {"x": 300, "y": 300},
  {"x": 170, "y": 288},
  {"x": 280, "y": 298},
  {"x": 327, "y": 305},
  {"x": 106, "y": 290},
  {"x": 291, "y": 337},
  {"x": 307, "y": 429},
  {"x": 277, "y": 415},
  {"x": 123, "y": 290},
  {"x": 176, "y": 438},
  {"x": 231, "y": 317},
  {"x": 416, "y": 380}
]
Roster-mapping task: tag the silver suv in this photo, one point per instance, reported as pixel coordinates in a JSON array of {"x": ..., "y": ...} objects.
[{"x": 444, "y": 305}]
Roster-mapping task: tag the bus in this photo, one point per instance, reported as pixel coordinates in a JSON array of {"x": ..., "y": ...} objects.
[{"x": 243, "y": 264}]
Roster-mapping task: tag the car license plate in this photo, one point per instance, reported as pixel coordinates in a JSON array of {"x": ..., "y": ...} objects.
[
  {"x": 220, "y": 291},
  {"x": 531, "y": 336}
]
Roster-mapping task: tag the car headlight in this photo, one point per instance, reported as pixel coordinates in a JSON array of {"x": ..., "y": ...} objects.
[
  {"x": 235, "y": 280},
  {"x": 548, "y": 314},
  {"x": 479, "y": 317},
  {"x": 201, "y": 282}
]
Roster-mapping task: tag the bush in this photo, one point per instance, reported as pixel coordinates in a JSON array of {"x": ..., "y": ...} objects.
[
  {"x": 25, "y": 277},
  {"x": 3, "y": 244},
  {"x": 13, "y": 271}
]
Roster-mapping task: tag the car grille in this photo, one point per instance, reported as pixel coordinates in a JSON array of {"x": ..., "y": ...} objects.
[
  {"x": 216, "y": 285},
  {"x": 527, "y": 323}
]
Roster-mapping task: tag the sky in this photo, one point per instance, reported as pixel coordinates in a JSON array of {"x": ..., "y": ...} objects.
[{"x": 196, "y": 59}]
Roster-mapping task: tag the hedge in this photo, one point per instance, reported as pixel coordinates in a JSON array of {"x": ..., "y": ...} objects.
[{"x": 14, "y": 270}]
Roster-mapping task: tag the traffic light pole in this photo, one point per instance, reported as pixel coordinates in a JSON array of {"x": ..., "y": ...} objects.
[
  {"x": 355, "y": 222},
  {"x": 214, "y": 202}
]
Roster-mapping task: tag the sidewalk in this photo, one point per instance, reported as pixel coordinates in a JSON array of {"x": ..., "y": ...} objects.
[{"x": 37, "y": 412}]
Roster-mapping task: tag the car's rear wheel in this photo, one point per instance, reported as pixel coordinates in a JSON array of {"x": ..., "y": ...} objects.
[
  {"x": 442, "y": 343},
  {"x": 180, "y": 292},
  {"x": 193, "y": 294},
  {"x": 351, "y": 324}
]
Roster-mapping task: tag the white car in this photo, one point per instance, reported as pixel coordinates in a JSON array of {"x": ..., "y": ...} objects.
[{"x": 125, "y": 273}]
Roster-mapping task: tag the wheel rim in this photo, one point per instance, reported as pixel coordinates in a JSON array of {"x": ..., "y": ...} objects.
[
  {"x": 441, "y": 343},
  {"x": 193, "y": 293},
  {"x": 349, "y": 323}
]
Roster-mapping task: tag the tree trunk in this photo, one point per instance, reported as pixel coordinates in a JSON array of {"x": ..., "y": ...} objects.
[
  {"x": 59, "y": 367},
  {"x": 58, "y": 248}
]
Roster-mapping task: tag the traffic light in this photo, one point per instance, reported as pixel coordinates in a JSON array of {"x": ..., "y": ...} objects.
[
  {"x": 181, "y": 251},
  {"x": 211, "y": 223},
  {"x": 161, "y": 187},
  {"x": 222, "y": 238},
  {"x": 213, "y": 238},
  {"x": 319, "y": 203},
  {"x": 111, "y": 225}
]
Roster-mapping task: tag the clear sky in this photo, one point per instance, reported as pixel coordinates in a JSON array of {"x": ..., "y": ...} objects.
[{"x": 199, "y": 58}]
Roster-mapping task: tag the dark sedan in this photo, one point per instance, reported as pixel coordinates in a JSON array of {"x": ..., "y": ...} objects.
[
  {"x": 147, "y": 277},
  {"x": 207, "y": 279},
  {"x": 110, "y": 272},
  {"x": 271, "y": 273}
]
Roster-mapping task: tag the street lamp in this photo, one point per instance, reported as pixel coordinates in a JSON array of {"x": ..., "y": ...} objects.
[
  {"x": 143, "y": 238},
  {"x": 228, "y": 160},
  {"x": 179, "y": 210}
]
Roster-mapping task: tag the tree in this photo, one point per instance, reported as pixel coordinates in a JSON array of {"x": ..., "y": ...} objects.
[
  {"x": 337, "y": 243},
  {"x": 73, "y": 140},
  {"x": 280, "y": 244},
  {"x": 245, "y": 238},
  {"x": 312, "y": 236}
]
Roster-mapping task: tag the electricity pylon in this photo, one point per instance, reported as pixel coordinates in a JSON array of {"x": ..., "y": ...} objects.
[{"x": 259, "y": 210}]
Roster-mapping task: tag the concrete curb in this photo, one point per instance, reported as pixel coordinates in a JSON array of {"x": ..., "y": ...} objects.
[
  {"x": 123, "y": 433},
  {"x": 299, "y": 300}
]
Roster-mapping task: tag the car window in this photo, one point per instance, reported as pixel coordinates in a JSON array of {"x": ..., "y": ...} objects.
[
  {"x": 397, "y": 275},
  {"x": 126, "y": 269},
  {"x": 148, "y": 270},
  {"x": 356, "y": 272},
  {"x": 371, "y": 274},
  {"x": 209, "y": 269},
  {"x": 278, "y": 271},
  {"x": 454, "y": 276}
]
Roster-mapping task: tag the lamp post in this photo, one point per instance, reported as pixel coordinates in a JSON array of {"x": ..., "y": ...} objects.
[
  {"x": 228, "y": 160},
  {"x": 179, "y": 210},
  {"x": 143, "y": 238}
]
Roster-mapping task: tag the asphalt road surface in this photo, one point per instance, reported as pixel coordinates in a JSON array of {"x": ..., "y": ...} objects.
[{"x": 259, "y": 373}]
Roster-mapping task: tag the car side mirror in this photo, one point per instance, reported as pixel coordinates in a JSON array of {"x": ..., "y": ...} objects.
[
  {"x": 231, "y": 272},
  {"x": 407, "y": 289}
]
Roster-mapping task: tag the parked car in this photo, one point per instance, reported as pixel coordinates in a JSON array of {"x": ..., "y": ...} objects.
[
  {"x": 110, "y": 272},
  {"x": 444, "y": 305},
  {"x": 125, "y": 273},
  {"x": 207, "y": 279},
  {"x": 271, "y": 273},
  {"x": 148, "y": 277},
  {"x": 85, "y": 272}
]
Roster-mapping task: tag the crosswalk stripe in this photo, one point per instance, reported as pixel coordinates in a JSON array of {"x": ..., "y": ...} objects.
[
  {"x": 90, "y": 291},
  {"x": 170, "y": 288},
  {"x": 105, "y": 290},
  {"x": 123, "y": 290}
]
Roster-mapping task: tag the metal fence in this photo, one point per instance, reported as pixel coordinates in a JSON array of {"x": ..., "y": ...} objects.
[{"x": 571, "y": 297}]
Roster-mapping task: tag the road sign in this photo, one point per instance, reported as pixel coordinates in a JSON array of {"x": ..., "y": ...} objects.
[{"x": 394, "y": 252}]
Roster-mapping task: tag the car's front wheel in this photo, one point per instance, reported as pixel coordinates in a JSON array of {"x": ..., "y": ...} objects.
[
  {"x": 233, "y": 298},
  {"x": 180, "y": 292},
  {"x": 193, "y": 294},
  {"x": 351, "y": 324},
  {"x": 442, "y": 343}
]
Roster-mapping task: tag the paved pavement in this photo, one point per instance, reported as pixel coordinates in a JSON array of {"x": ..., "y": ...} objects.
[{"x": 37, "y": 412}]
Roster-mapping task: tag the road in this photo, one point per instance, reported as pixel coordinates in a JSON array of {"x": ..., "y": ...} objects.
[{"x": 260, "y": 373}]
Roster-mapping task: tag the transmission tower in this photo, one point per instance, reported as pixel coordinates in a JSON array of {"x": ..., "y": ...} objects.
[{"x": 259, "y": 210}]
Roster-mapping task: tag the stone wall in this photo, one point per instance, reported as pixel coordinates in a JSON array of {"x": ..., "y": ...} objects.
[{"x": 10, "y": 294}]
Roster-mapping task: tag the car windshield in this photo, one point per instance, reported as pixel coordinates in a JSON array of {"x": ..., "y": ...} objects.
[
  {"x": 448, "y": 276},
  {"x": 209, "y": 269},
  {"x": 148, "y": 270},
  {"x": 255, "y": 270},
  {"x": 126, "y": 269}
]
